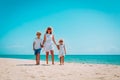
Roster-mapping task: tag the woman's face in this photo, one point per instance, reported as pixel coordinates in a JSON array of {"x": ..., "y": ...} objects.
[{"x": 49, "y": 31}]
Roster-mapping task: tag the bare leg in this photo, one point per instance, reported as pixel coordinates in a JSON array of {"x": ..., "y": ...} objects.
[
  {"x": 47, "y": 54},
  {"x": 60, "y": 60},
  {"x": 52, "y": 54},
  {"x": 63, "y": 60},
  {"x": 37, "y": 59}
]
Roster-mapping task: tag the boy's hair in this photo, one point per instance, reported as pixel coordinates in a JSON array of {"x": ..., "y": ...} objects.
[
  {"x": 61, "y": 40},
  {"x": 38, "y": 33},
  {"x": 49, "y": 28}
]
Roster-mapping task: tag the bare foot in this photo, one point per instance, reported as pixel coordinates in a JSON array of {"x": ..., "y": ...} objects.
[
  {"x": 60, "y": 64},
  {"x": 52, "y": 63},
  {"x": 37, "y": 63}
]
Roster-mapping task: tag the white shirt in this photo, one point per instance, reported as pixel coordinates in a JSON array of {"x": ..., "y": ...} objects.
[
  {"x": 62, "y": 50},
  {"x": 38, "y": 43}
]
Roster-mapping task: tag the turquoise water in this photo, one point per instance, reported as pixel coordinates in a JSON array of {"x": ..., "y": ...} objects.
[{"x": 94, "y": 59}]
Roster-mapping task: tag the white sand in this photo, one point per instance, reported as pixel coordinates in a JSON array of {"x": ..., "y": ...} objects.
[{"x": 16, "y": 69}]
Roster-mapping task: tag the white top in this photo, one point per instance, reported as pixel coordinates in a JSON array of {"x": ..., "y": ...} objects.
[
  {"x": 62, "y": 50},
  {"x": 49, "y": 39},
  {"x": 48, "y": 43},
  {"x": 38, "y": 43}
]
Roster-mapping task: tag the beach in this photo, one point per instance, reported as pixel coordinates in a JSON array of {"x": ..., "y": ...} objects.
[{"x": 21, "y": 69}]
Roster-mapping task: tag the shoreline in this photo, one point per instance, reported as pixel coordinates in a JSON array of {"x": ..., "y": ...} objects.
[
  {"x": 21, "y": 69},
  {"x": 65, "y": 61},
  {"x": 90, "y": 59}
]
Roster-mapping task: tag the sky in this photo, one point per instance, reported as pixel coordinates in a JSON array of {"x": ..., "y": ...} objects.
[{"x": 86, "y": 26}]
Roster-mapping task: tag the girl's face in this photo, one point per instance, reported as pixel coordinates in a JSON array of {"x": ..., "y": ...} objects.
[{"x": 61, "y": 42}]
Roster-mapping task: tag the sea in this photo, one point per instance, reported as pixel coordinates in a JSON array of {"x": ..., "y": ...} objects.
[{"x": 92, "y": 59}]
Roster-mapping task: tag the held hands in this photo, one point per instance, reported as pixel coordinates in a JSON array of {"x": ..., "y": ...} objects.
[
  {"x": 42, "y": 46},
  {"x": 58, "y": 47}
]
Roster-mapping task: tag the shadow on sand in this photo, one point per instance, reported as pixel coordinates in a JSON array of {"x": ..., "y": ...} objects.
[
  {"x": 32, "y": 65},
  {"x": 26, "y": 65}
]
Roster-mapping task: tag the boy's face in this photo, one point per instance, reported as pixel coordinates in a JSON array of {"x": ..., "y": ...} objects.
[{"x": 38, "y": 35}]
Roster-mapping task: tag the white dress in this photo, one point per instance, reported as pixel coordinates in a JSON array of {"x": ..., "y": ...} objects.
[
  {"x": 49, "y": 43},
  {"x": 61, "y": 51}
]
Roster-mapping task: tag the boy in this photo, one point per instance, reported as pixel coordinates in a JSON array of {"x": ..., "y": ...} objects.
[{"x": 37, "y": 45}]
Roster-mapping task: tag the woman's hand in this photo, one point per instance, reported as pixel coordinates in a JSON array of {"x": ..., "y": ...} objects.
[
  {"x": 58, "y": 47},
  {"x": 42, "y": 46}
]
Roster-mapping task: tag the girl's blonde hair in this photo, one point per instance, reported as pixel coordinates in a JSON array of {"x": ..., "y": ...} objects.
[{"x": 61, "y": 40}]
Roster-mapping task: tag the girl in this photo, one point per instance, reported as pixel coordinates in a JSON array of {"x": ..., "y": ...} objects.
[
  {"x": 62, "y": 51},
  {"x": 48, "y": 44}
]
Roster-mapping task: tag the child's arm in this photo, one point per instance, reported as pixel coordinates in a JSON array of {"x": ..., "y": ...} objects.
[
  {"x": 65, "y": 49},
  {"x": 33, "y": 45}
]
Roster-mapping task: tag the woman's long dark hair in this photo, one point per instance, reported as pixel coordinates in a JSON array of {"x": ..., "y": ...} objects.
[{"x": 49, "y": 28}]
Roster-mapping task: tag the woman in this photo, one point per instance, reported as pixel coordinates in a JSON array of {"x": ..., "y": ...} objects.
[{"x": 48, "y": 44}]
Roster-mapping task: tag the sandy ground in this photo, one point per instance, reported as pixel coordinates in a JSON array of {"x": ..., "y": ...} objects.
[{"x": 19, "y": 69}]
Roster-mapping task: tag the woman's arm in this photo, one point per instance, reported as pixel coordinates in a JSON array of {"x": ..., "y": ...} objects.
[
  {"x": 44, "y": 39},
  {"x": 54, "y": 40},
  {"x": 41, "y": 43}
]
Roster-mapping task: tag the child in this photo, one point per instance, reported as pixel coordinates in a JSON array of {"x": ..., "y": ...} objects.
[
  {"x": 37, "y": 45},
  {"x": 62, "y": 51}
]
